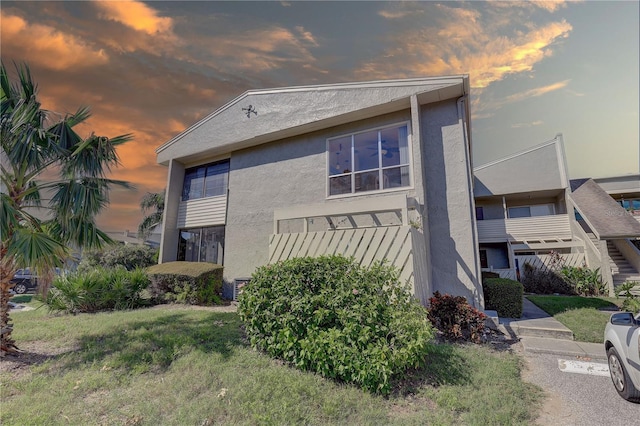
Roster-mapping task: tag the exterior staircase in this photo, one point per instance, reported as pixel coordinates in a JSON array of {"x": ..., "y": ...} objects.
[{"x": 621, "y": 269}]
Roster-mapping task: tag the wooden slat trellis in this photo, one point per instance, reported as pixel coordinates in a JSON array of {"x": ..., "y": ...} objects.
[
  {"x": 542, "y": 261},
  {"x": 399, "y": 245}
]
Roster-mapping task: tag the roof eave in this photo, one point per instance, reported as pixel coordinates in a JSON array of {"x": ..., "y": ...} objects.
[
  {"x": 399, "y": 104},
  {"x": 459, "y": 86}
]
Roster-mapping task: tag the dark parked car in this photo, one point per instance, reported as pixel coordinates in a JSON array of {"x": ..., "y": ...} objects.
[{"x": 24, "y": 280}]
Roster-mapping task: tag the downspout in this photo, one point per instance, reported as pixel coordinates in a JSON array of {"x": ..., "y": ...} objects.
[{"x": 478, "y": 301}]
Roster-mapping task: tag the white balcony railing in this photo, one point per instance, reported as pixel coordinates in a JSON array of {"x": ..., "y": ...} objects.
[{"x": 525, "y": 228}]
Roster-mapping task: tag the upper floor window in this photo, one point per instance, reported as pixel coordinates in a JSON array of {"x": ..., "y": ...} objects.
[
  {"x": 533, "y": 210},
  {"x": 206, "y": 181},
  {"x": 369, "y": 161}
]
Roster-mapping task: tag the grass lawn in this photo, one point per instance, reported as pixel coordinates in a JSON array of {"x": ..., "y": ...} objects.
[
  {"x": 190, "y": 366},
  {"x": 582, "y": 315}
]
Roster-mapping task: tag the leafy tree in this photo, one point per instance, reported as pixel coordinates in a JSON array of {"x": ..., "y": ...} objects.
[
  {"x": 154, "y": 202},
  {"x": 42, "y": 155}
]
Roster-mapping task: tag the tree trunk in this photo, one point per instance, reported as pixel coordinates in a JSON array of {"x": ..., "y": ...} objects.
[{"x": 7, "y": 271}]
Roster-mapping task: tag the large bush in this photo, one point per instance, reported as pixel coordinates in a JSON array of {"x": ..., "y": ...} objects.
[
  {"x": 98, "y": 290},
  {"x": 194, "y": 283},
  {"x": 334, "y": 317},
  {"x": 128, "y": 256},
  {"x": 455, "y": 318},
  {"x": 504, "y": 296}
]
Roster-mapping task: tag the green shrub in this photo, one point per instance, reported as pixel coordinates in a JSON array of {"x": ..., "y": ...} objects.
[
  {"x": 631, "y": 302},
  {"x": 97, "y": 290},
  {"x": 455, "y": 318},
  {"x": 332, "y": 316},
  {"x": 128, "y": 256},
  {"x": 585, "y": 281},
  {"x": 194, "y": 283},
  {"x": 504, "y": 296}
]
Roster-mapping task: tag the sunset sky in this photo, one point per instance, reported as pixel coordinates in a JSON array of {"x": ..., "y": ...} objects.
[{"x": 154, "y": 68}]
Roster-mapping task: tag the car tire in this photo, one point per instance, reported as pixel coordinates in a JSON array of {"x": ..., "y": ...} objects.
[
  {"x": 20, "y": 288},
  {"x": 620, "y": 378}
]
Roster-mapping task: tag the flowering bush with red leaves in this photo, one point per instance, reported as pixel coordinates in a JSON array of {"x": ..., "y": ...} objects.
[{"x": 455, "y": 318}]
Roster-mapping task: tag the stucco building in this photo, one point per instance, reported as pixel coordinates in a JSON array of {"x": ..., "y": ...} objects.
[{"x": 375, "y": 170}]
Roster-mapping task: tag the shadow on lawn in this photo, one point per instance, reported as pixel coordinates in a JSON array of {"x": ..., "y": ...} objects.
[
  {"x": 142, "y": 346},
  {"x": 444, "y": 366}
]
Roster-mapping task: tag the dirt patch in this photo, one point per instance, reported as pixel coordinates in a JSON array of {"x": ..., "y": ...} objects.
[{"x": 18, "y": 365}]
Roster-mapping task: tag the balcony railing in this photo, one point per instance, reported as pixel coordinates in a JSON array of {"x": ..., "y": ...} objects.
[{"x": 525, "y": 228}]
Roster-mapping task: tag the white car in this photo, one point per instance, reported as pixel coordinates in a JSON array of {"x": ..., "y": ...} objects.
[{"x": 621, "y": 341}]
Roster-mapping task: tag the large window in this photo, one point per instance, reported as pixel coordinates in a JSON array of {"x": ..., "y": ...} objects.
[
  {"x": 369, "y": 161},
  {"x": 202, "y": 245},
  {"x": 206, "y": 181}
]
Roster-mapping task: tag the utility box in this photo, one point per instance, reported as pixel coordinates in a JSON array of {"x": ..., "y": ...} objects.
[{"x": 239, "y": 283}]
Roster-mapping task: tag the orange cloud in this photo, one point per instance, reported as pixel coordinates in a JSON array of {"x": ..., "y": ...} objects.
[
  {"x": 538, "y": 91},
  {"x": 548, "y": 5},
  {"x": 521, "y": 125},
  {"x": 262, "y": 50},
  {"x": 307, "y": 36},
  {"x": 136, "y": 15},
  {"x": 463, "y": 43},
  {"x": 388, "y": 14},
  {"x": 46, "y": 46}
]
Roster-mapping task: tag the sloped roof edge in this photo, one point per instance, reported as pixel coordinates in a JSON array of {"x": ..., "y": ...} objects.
[
  {"x": 455, "y": 79},
  {"x": 520, "y": 153},
  {"x": 607, "y": 218}
]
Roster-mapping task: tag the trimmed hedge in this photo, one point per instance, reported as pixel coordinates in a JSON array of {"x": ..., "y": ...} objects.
[
  {"x": 332, "y": 316},
  {"x": 194, "y": 283},
  {"x": 504, "y": 296}
]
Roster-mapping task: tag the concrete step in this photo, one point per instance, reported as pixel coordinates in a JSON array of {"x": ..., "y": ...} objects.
[
  {"x": 536, "y": 323},
  {"x": 542, "y": 329}
]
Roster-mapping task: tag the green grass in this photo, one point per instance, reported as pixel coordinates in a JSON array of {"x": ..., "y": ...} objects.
[
  {"x": 192, "y": 367},
  {"x": 585, "y": 316}
]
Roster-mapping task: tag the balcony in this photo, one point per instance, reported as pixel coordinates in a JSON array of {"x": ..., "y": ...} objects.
[{"x": 551, "y": 227}]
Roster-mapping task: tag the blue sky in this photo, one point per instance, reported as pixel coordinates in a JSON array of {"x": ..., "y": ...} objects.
[{"x": 154, "y": 68}]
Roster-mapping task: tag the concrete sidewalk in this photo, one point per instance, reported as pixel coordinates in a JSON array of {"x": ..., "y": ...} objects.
[{"x": 539, "y": 332}]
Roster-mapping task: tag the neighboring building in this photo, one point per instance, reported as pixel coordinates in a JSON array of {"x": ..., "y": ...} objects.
[
  {"x": 523, "y": 212},
  {"x": 127, "y": 237},
  {"x": 608, "y": 210},
  {"x": 374, "y": 170},
  {"x": 526, "y": 208}
]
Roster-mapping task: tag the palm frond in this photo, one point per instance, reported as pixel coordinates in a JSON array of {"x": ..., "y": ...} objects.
[
  {"x": 9, "y": 215},
  {"x": 82, "y": 114},
  {"x": 36, "y": 248},
  {"x": 152, "y": 200},
  {"x": 80, "y": 233},
  {"x": 148, "y": 224},
  {"x": 94, "y": 156}
]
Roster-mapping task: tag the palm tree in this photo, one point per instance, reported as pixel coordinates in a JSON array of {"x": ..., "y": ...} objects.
[
  {"x": 36, "y": 142},
  {"x": 153, "y": 201}
]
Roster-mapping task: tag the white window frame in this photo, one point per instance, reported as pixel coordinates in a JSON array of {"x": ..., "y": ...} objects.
[
  {"x": 553, "y": 210},
  {"x": 379, "y": 168}
]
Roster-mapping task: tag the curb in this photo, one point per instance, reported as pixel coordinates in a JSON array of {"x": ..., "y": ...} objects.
[{"x": 563, "y": 347}]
